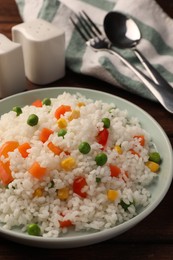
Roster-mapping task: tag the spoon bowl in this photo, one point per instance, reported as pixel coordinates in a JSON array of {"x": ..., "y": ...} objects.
[{"x": 122, "y": 31}]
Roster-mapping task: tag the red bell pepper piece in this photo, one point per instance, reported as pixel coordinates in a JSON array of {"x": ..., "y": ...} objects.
[
  {"x": 115, "y": 170},
  {"x": 65, "y": 223},
  {"x": 102, "y": 137},
  {"x": 78, "y": 184}
]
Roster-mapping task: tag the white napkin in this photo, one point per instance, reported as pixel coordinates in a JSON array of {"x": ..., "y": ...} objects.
[{"x": 156, "y": 44}]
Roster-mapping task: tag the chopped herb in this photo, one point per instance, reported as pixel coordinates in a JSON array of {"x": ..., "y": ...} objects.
[
  {"x": 98, "y": 179},
  {"x": 125, "y": 205},
  {"x": 111, "y": 109},
  {"x": 51, "y": 184}
]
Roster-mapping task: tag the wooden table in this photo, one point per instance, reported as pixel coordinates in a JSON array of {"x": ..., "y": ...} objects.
[{"x": 153, "y": 237}]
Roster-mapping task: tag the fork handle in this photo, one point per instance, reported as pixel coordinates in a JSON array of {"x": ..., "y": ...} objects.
[{"x": 163, "y": 92}]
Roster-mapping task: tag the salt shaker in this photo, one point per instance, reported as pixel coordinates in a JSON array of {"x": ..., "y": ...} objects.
[
  {"x": 12, "y": 74},
  {"x": 43, "y": 49}
]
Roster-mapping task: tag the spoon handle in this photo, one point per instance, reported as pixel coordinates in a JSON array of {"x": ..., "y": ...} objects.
[
  {"x": 155, "y": 75},
  {"x": 162, "y": 91},
  {"x": 149, "y": 68}
]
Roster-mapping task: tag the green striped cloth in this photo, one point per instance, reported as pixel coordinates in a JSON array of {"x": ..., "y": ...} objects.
[{"x": 156, "y": 44}]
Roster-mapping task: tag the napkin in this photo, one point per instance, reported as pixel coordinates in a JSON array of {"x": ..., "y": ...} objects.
[{"x": 156, "y": 43}]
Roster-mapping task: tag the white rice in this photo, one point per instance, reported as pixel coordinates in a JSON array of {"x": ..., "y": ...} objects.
[{"x": 18, "y": 205}]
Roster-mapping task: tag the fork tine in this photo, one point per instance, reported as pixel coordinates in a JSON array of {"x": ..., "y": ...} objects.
[
  {"x": 78, "y": 29},
  {"x": 85, "y": 26},
  {"x": 82, "y": 28},
  {"x": 90, "y": 27},
  {"x": 91, "y": 21}
]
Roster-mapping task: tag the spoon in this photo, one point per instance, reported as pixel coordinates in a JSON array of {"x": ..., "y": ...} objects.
[{"x": 123, "y": 33}]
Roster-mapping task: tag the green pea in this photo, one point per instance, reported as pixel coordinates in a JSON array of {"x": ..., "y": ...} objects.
[
  {"x": 84, "y": 147},
  {"x": 32, "y": 120},
  {"x": 62, "y": 132},
  {"x": 101, "y": 159},
  {"x": 106, "y": 122},
  {"x": 46, "y": 101},
  {"x": 18, "y": 110},
  {"x": 33, "y": 229},
  {"x": 155, "y": 157}
]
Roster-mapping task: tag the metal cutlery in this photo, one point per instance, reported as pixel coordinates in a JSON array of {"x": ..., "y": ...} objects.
[{"x": 95, "y": 39}]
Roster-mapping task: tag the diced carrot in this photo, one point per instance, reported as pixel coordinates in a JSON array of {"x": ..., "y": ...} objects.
[
  {"x": 23, "y": 149},
  {"x": 54, "y": 148},
  {"x": 115, "y": 170},
  {"x": 65, "y": 223},
  {"x": 45, "y": 133},
  {"x": 134, "y": 152},
  {"x": 37, "y": 171},
  {"x": 5, "y": 173},
  {"x": 37, "y": 103},
  {"x": 141, "y": 139},
  {"x": 62, "y": 110},
  {"x": 7, "y": 147}
]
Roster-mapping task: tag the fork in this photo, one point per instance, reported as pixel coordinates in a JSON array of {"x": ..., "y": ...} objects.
[{"x": 95, "y": 39}]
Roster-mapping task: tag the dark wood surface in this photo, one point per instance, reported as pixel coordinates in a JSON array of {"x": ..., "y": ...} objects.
[{"x": 153, "y": 237}]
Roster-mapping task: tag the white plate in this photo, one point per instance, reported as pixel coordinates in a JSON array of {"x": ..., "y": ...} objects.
[{"x": 159, "y": 191}]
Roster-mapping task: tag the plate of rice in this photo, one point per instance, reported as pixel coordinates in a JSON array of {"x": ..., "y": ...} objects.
[{"x": 78, "y": 166}]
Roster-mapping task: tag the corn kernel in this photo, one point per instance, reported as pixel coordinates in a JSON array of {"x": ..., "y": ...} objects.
[
  {"x": 112, "y": 195},
  {"x": 118, "y": 149},
  {"x": 68, "y": 163},
  {"x": 63, "y": 193},
  {"x": 38, "y": 192},
  {"x": 62, "y": 123},
  {"x": 154, "y": 167},
  {"x": 74, "y": 115},
  {"x": 80, "y": 104}
]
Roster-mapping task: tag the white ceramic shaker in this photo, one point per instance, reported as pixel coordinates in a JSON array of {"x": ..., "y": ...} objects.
[
  {"x": 43, "y": 49},
  {"x": 12, "y": 74}
]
